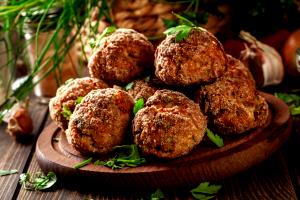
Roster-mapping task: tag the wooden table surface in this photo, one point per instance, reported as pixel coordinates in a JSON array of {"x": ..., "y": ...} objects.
[{"x": 278, "y": 177}]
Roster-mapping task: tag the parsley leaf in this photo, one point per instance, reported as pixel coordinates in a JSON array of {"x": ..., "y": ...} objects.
[
  {"x": 83, "y": 163},
  {"x": 158, "y": 194},
  {"x": 215, "y": 138},
  {"x": 8, "y": 172},
  {"x": 184, "y": 20},
  {"x": 78, "y": 100},
  {"x": 181, "y": 32},
  {"x": 205, "y": 191},
  {"x": 293, "y": 100},
  {"x": 66, "y": 112},
  {"x": 107, "y": 31},
  {"x": 127, "y": 155},
  {"x": 129, "y": 86},
  {"x": 38, "y": 181},
  {"x": 139, "y": 104}
]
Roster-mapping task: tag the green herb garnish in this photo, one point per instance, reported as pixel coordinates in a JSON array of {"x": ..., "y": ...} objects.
[
  {"x": 205, "y": 191},
  {"x": 139, "y": 104},
  {"x": 107, "y": 31},
  {"x": 38, "y": 181},
  {"x": 78, "y": 100},
  {"x": 83, "y": 163},
  {"x": 181, "y": 32},
  {"x": 129, "y": 86},
  {"x": 66, "y": 112},
  {"x": 126, "y": 156},
  {"x": 8, "y": 172},
  {"x": 293, "y": 100},
  {"x": 215, "y": 138},
  {"x": 69, "y": 81},
  {"x": 158, "y": 194}
]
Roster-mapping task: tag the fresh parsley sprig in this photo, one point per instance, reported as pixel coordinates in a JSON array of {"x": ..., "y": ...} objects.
[
  {"x": 182, "y": 31},
  {"x": 293, "y": 100},
  {"x": 205, "y": 191},
  {"x": 38, "y": 181},
  {"x": 8, "y": 172},
  {"x": 126, "y": 156},
  {"x": 215, "y": 138}
]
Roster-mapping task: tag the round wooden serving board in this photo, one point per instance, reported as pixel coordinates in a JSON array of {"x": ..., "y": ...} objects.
[{"x": 204, "y": 163}]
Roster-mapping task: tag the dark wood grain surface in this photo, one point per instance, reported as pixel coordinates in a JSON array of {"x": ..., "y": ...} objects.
[
  {"x": 277, "y": 178},
  {"x": 17, "y": 154}
]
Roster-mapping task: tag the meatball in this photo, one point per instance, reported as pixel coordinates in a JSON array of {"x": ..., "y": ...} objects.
[
  {"x": 170, "y": 125},
  {"x": 67, "y": 95},
  {"x": 142, "y": 89},
  {"x": 100, "y": 121},
  {"x": 232, "y": 104},
  {"x": 200, "y": 58},
  {"x": 122, "y": 57}
]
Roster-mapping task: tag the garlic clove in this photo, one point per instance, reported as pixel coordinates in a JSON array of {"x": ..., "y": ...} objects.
[{"x": 264, "y": 62}]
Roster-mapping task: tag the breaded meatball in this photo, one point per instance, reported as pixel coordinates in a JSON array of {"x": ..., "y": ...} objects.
[
  {"x": 200, "y": 58},
  {"x": 67, "y": 95},
  {"x": 142, "y": 89},
  {"x": 170, "y": 125},
  {"x": 122, "y": 57},
  {"x": 100, "y": 121},
  {"x": 232, "y": 103}
]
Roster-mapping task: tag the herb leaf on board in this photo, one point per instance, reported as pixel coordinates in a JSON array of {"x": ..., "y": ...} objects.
[
  {"x": 205, "y": 191},
  {"x": 126, "y": 155},
  {"x": 8, "y": 172},
  {"x": 38, "y": 181},
  {"x": 293, "y": 100},
  {"x": 83, "y": 163}
]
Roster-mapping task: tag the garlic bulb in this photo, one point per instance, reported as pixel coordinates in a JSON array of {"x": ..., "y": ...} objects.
[{"x": 264, "y": 62}]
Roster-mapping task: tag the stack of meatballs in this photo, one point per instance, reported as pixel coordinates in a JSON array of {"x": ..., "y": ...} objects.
[{"x": 216, "y": 91}]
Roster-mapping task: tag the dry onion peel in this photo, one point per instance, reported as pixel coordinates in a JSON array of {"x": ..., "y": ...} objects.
[{"x": 264, "y": 62}]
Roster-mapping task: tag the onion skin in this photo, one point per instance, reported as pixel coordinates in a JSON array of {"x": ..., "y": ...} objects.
[{"x": 289, "y": 53}]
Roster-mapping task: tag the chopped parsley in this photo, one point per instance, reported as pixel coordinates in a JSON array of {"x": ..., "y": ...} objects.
[
  {"x": 139, "y": 104},
  {"x": 38, "y": 181},
  {"x": 78, "y": 100},
  {"x": 215, "y": 138},
  {"x": 126, "y": 156},
  {"x": 205, "y": 191},
  {"x": 66, "y": 112},
  {"x": 158, "y": 194},
  {"x": 107, "y": 31},
  {"x": 293, "y": 100}
]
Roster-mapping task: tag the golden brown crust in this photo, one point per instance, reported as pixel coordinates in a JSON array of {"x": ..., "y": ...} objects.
[
  {"x": 232, "y": 103},
  {"x": 169, "y": 126},
  {"x": 142, "y": 89},
  {"x": 100, "y": 122},
  {"x": 67, "y": 95},
  {"x": 122, "y": 57},
  {"x": 200, "y": 58}
]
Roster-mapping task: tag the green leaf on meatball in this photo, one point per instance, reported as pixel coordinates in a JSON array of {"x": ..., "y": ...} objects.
[{"x": 139, "y": 104}]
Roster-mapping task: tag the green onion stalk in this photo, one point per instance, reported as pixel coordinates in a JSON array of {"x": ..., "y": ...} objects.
[{"x": 74, "y": 15}]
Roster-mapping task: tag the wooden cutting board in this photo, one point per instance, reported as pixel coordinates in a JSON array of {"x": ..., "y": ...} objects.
[{"x": 205, "y": 163}]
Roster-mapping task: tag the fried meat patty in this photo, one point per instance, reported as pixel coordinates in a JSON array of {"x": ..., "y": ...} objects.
[
  {"x": 100, "y": 121},
  {"x": 122, "y": 57},
  {"x": 66, "y": 97},
  {"x": 142, "y": 89},
  {"x": 200, "y": 58},
  {"x": 169, "y": 126},
  {"x": 232, "y": 103}
]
